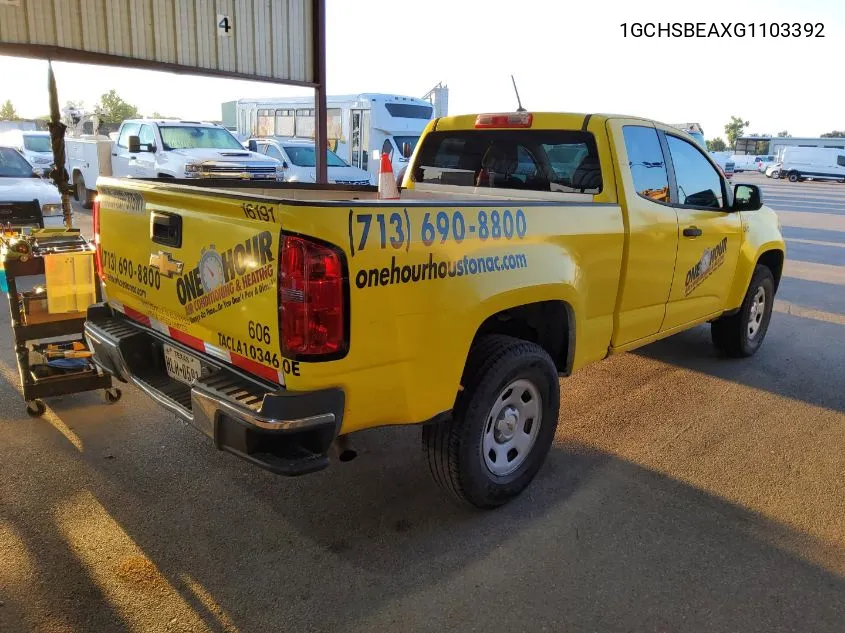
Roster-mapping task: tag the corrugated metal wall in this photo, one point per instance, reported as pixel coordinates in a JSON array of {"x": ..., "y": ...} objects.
[{"x": 269, "y": 39}]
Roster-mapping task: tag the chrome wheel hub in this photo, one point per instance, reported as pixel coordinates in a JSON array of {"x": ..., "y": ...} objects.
[{"x": 512, "y": 427}]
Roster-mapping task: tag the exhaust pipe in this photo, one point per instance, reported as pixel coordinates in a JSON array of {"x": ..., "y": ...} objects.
[{"x": 343, "y": 449}]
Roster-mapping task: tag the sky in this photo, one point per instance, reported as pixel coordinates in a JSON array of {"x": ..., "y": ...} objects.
[{"x": 566, "y": 55}]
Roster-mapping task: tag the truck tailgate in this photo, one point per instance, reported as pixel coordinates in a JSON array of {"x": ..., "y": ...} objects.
[{"x": 201, "y": 269}]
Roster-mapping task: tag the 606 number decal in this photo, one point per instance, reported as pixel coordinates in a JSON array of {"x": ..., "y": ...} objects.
[{"x": 258, "y": 332}]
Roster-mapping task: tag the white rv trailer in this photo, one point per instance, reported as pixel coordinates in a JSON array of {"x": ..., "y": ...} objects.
[
  {"x": 775, "y": 145},
  {"x": 360, "y": 127},
  {"x": 816, "y": 163}
]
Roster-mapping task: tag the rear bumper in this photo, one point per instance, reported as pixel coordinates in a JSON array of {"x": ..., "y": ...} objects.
[{"x": 285, "y": 432}]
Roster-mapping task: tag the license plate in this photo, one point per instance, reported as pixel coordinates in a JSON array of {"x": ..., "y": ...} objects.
[{"x": 181, "y": 366}]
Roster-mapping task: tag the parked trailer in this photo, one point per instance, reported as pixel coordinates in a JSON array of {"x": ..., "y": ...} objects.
[{"x": 360, "y": 127}]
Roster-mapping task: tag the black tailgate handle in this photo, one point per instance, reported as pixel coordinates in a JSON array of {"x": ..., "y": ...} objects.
[{"x": 166, "y": 228}]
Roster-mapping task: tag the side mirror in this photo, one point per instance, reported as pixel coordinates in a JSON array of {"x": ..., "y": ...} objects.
[
  {"x": 406, "y": 150},
  {"x": 285, "y": 164},
  {"x": 252, "y": 146},
  {"x": 134, "y": 144},
  {"x": 747, "y": 198}
]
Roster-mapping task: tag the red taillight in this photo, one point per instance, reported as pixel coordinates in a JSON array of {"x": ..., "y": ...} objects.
[
  {"x": 98, "y": 253},
  {"x": 513, "y": 119},
  {"x": 312, "y": 310}
]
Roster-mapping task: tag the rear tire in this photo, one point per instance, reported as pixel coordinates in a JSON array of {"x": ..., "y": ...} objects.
[
  {"x": 793, "y": 177},
  {"x": 83, "y": 195},
  {"x": 502, "y": 426},
  {"x": 741, "y": 334}
]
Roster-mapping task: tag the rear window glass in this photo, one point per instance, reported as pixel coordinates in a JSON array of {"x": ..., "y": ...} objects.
[
  {"x": 409, "y": 110},
  {"x": 538, "y": 160}
]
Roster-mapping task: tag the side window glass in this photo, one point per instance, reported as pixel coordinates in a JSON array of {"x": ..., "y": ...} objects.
[
  {"x": 128, "y": 130},
  {"x": 699, "y": 184},
  {"x": 840, "y": 160},
  {"x": 645, "y": 159},
  {"x": 273, "y": 152},
  {"x": 146, "y": 135}
]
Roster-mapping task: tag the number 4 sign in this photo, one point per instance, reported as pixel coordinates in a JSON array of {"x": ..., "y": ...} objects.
[{"x": 224, "y": 25}]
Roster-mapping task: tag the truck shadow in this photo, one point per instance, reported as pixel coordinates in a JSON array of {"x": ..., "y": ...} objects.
[
  {"x": 597, "y": 542},
  {"x": 800, "y": 358}
]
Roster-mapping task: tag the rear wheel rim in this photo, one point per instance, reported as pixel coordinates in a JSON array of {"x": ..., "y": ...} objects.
[
  {"x": 756, "y": 313},
  {"x": 512, "y": 426}
]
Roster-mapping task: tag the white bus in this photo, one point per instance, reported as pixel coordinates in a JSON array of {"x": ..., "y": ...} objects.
[
  {"x": 775, "y": 145},
  {"x": 360, "y": 127}
]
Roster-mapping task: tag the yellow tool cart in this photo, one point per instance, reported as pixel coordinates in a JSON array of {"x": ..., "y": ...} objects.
[{"x": 53, "y": 310}]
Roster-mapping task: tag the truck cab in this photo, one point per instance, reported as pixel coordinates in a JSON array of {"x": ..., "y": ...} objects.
[{"x": 147, "y": 148}]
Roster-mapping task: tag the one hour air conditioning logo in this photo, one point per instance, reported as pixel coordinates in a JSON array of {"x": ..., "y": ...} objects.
[
  {"x": 215, "y": 269},
  {"x": 710, "y": 260}
]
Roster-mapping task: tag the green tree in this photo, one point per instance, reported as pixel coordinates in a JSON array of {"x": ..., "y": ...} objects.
[
  {"x": 716, "y": 145},
  {"x": 113, "y": 109},
  {"x": 8, "y": 112},
  {"x": 784, "y": 134},
  {"x": 834, "y": 134},
  {"x": 159, "y": 115},
  {"x": 735, "y": 129}
]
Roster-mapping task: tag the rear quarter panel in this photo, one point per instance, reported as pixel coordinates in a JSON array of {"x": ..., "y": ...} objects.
[{"x": 416, "y": 304}]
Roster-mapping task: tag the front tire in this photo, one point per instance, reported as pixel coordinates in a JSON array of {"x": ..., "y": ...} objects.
[
  {"x": 741, "y": 334},
  {"x": 502, "y": 426}
]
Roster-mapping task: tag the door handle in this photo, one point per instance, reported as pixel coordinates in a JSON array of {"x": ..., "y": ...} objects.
[{"x": 692, "y": 231}]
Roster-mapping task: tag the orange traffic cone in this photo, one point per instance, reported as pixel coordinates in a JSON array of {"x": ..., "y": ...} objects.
[{"x": 387, "y": 189}]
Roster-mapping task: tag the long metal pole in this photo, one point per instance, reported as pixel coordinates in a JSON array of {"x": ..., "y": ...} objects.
[
  {"x": 57, "y": 140},
  {"x": 321, "y": 140}
]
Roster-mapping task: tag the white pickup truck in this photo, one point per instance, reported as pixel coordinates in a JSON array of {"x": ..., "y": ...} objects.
[{"x": 152, "y": 148}]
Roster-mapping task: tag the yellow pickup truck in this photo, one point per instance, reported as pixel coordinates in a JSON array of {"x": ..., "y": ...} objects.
[{"x": 279, "y": 319}]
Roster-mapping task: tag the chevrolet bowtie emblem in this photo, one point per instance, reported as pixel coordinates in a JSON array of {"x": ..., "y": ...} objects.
[{"x": 166, "y": 264}]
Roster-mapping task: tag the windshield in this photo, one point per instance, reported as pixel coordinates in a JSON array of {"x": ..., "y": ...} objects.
[
  {"x": 189, "y": 137},
  {"x": 37, "y": 143},
  {"x": 401, "y": 140},
  {"x": 305, "y": 156},
  {"x": 13, "y": 165}
]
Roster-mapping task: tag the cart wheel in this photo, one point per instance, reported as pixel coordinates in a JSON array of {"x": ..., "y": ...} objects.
[
  {"x": 113, "y": 395},
  {"x": 35, "y": 408}
]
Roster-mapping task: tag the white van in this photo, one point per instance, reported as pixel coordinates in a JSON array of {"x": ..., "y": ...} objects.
[
  {"x": 298, "y": 157},
  {"x": 33, "y": 145},
  {"x": 816, "y": 163}
]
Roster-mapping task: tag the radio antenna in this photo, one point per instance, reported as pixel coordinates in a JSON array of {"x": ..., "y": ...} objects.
[{"x": 518, "y": 101}]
